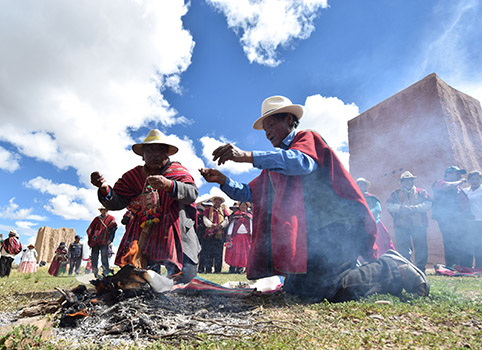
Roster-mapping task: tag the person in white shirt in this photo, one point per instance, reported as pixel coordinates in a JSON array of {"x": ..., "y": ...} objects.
[
  {"x": 28, "y": 262},
  {"x": 474, "y": 192}
]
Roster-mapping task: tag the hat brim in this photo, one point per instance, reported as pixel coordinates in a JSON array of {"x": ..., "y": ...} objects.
[
  {"x": 221, "y": 198},
  {"x": 137, "y": 148},
  {"x": 296, "y": 110}
]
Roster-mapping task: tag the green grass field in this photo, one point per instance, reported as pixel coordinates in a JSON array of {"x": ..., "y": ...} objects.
[{"x": 450, "y": 318}]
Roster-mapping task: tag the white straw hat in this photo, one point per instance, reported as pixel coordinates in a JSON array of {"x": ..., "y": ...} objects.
[{"x": 275, "y": 105}]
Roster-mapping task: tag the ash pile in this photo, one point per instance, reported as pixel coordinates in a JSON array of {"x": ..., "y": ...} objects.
[{"x": 128, "y": 307}]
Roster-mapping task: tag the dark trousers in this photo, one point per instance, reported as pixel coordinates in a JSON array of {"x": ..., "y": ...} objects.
[
  {"x": 75, "y": 262},
  {"x": 406, "y": 236},
  {"x": 213, "y": 255},
  {"x": 5, "y": 266},
  {"x": 475, "y": 240},
  {"x": 332, "y": 271},
  {"x": 104, "y": 257},
  {"x": 457, "y": 249}
]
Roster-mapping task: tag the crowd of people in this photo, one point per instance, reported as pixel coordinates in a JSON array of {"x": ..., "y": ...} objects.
[{"x": 304, "y": 217}]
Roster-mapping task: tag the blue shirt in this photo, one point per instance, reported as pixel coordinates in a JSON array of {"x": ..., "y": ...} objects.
[{"x": 283, "y": 160}]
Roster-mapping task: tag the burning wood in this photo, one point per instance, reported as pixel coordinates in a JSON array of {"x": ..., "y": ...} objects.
[{"x": 128, "y": 306}]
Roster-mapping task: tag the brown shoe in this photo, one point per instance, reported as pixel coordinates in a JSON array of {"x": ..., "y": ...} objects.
[{"x": 413, "y": 279}]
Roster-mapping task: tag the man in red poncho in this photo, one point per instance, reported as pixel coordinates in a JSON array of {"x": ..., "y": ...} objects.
[
  {"x": 310, "y": 220},
  {"x": 101, "y": 233},
  {"x": 161, "y": 195}
]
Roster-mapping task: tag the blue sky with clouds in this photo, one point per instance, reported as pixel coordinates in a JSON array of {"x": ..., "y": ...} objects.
[{"x": 80, "y": 82}]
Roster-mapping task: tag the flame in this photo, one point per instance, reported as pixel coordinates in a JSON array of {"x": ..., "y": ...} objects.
[
  {"x": 130, "y": 256},
  {"x": 79, "y": 314},
  {"x": 134, "y": 255}
]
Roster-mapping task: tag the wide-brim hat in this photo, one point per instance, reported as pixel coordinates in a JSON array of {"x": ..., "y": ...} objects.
[
  {"x": 455, "y": 169},
  {"x": 103, "y": 208},
  {"x": 275, "y": 105},
  {"x": 214, "y": 197},
  {"x": 30, "y": 245},
  {"x": 407, "y": 175},
  {"x": 13, "y": 233},
  {"x": 154, "y": 137},
  {"x": 362, "y": 179}
]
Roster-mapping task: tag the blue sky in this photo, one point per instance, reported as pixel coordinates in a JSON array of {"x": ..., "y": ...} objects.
[{"x": 80, "y": 82}]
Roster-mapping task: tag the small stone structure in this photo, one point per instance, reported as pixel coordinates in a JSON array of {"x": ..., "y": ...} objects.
[
  {"x": 48, "y": 239},
  {"x": 424, "y": 128}
]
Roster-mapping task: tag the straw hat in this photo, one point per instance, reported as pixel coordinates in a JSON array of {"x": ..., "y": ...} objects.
[
  {"x": 154, "y": 137},
  {"x": 214, "y": 197},
  {"x": 275, "y": 105},
  {"x": 362, "y": 179},
  {"x": 407, "y": 175},
  {"x": 13, "y": 233}
]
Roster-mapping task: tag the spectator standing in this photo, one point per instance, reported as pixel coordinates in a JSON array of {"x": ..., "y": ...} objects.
[
  {"x": 59, "y": 261},
  {"x": 238, "y": 238},
  {"x": 451, "y": 209},
  {"x": 215, "y": 220},
  {"x": 474, "y": 193},
  {"x": 408, "y": 206},
  {"x": 75, "y": 254},
  {"x": 383, "y": 241},
  {"x": 28, "y": 262},
  {"x": 101, "y": 233},
  {"x": 10, "y": 248}
]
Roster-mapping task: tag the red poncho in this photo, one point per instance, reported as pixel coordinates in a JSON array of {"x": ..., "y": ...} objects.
[
  {"x": 164, "y": 237},
  {"x": 284, "y": 236}
]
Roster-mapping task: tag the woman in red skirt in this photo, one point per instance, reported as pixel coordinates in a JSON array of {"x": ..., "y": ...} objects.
[{"x": 239, "y": 239}]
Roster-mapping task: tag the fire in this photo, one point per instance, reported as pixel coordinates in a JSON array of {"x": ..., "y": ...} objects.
[
  {"x": 134, "y": 255},
  {"x": 130, "y": 256}
]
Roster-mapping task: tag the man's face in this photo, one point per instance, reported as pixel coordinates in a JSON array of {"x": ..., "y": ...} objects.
[
  {"x": 363, "y": 186},
  {"x": 276, "y": 129},
  {"x": 217, "y": 202},
  {"x": 77, "y": 240},
  {"x": 155, "y": 155},
  {"x": 475, "y": 181},
  {"x": 103, "y": 212},
  {"x": 408, "y": 183},
  {"x": 452, "y": 176}
]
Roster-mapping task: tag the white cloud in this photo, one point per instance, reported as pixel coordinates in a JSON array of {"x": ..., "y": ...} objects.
[
  {"x": 8, "y": 161},
  {"x": 81, "y": 75},
  {"x": 209, "y": 145},
  {"x": 451, "y": 50},
  {"x": 329, "y": 117},
  {"x": 68, "y": 201},
  {"x": 25, "y": 224},
  {"x": 12, "y": 211},
  {"x": 266, "y": 25}
]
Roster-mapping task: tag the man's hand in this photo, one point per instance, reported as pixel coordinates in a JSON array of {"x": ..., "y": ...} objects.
[
  {"x": 213, "y": 175},
  {"x": 160, "y": 182},
  {"x": 230, "y": 152},
  {"x": 98, "y": 180}
]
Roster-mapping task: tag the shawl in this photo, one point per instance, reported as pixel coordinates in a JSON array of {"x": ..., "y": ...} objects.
[
  {"x": 241, "y": 218},
  {"x": 279, "y": 222}
]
